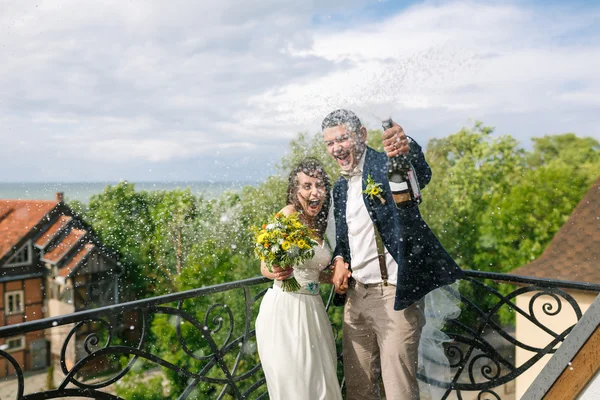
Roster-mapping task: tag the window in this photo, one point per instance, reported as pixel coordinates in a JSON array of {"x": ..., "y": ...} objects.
[
  {"x": 14, "y": 302},
  {"x": 21, "y": 257},
  {"x": 15, "y": 343}
]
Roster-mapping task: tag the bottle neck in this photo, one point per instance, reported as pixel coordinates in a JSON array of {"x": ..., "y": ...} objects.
[{"x": 399, "y": 160}]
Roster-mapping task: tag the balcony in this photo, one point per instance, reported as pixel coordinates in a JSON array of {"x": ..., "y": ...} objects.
[{"x": 205, "y": 338}]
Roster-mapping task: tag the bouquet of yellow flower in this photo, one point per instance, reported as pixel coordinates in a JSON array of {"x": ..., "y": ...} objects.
[{"x": 285, "y": 242}]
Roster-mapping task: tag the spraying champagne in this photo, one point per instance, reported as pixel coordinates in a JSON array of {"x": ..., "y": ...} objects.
[{"x": 402, "y": 178}]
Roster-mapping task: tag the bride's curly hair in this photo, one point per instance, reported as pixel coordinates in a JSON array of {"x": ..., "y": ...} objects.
[{"x": 313, "y": 168}]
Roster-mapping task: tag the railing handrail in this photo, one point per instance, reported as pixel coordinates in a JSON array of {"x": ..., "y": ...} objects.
[
  {"x": 546, "y": 282},
  {"x": 45, "y": 323},
  {"x": 77, "y": 316}
]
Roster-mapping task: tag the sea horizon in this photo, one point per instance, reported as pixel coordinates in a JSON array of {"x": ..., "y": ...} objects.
[{"x": 83, "y": 191}]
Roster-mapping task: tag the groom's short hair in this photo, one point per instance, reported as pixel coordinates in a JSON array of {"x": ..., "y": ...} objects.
[{"x": 341, "y": 117}]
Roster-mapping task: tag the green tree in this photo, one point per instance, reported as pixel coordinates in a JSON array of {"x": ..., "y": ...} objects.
[
  {"x": 469, "y": 168},
  {"x": 122, "y": 218},
  {"x": 173, "y": 214},
  {"x": 522, "y": 222},
  {"x": 569, "y": 148},
  {"x": 495, "y": 206}
]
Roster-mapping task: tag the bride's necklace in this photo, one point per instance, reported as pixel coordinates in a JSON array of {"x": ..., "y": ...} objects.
[
  {"x": 305, "y": 220},
  {"x": 309, "y": 223}
]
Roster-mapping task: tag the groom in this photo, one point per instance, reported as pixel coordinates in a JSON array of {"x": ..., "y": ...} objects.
[{"x": 383, "y": 313}]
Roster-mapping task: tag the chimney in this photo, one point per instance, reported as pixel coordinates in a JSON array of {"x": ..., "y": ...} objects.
[{"x": 60, "y": 197}]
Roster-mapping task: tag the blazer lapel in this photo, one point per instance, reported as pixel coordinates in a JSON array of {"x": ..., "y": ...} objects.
[
  {"x": 340, "y": 194},
  {"x": 374, "y": 168},
  {"x": 384, "y": 215}
]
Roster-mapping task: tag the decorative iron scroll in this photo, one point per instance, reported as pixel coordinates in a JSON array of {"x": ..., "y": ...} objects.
[
  {"x": 212, "y": 329},
  {"x": 476, "y": 364},
  {"x": 219, "y": 337}
]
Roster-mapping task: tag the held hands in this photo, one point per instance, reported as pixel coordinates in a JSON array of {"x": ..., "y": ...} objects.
[
  {"x": 281, "y": 274},
  {"x": 395, "y": 141},
  {"x": 340, "y": 275}
]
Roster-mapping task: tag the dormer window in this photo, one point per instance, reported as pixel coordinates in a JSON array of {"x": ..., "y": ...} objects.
[{"x": 21, "y": 257}]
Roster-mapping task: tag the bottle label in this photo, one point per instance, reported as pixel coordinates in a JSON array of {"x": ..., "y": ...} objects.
[
  {"x": 398, "y": 186},
  {"x": 414, "y": 185},
  {"x": 400, "y": 198}
]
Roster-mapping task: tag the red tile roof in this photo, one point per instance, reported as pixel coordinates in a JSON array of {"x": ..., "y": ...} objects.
[
  {"x": 74, "y": 262},
  {"x": 574, "y": 252},
  {"x": 4, "y": 211},
  {"x": 62, "y": 248},
  {"x": 18, "y": 218},
  {"x": 56, "y": 227},
  {"x": 26, "y": 219}
]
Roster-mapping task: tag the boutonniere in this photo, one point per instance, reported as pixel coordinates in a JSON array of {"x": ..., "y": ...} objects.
[{"x": 373, "y": 189}]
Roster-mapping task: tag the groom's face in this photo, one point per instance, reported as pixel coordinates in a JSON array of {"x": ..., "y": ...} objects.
[{"x": 345, "y": 146}]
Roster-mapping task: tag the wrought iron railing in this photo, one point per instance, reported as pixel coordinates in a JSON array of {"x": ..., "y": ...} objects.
[{"x": 206, "y": 338}]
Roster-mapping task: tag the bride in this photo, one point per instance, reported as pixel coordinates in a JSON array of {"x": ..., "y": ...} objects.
[{"x": 294, "y": 336}]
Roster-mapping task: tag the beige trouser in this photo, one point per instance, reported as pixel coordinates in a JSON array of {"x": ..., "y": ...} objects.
[{"x": 378, "y": 340}]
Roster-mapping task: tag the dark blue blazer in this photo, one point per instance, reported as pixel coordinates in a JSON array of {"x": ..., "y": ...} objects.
[{"x": 423, "y": 264}]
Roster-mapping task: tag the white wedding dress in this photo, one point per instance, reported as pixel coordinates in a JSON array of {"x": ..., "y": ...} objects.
[{"x": 295, "y": 340}]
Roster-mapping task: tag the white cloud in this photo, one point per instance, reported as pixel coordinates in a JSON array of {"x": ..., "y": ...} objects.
[
  {"x": 121, "y": 88},
  {"x": 457, "y": 60}
]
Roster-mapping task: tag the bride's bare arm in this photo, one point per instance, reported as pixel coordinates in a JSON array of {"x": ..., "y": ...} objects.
[{"x": 265, "y": 271}]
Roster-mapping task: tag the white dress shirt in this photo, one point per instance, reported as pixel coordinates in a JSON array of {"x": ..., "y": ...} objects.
[{"x": 361, "y": 236}]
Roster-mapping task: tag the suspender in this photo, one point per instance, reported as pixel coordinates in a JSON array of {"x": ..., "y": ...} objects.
[{"x": 381, "y": 256}]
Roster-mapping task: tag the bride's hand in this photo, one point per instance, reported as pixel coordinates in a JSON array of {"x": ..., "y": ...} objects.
[
  {"x": 340, "y": 275},
  {"x": 281, "y": 274}
]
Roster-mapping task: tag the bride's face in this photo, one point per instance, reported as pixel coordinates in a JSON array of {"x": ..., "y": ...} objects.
[{"x": 311, "y": 194}]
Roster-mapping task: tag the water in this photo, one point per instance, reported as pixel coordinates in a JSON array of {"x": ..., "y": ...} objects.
[{"x": 82, "y": 191}]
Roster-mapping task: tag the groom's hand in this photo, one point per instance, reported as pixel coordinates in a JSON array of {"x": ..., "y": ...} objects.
[
  {"x": 395, "y": 141},
  {"x": 340, "y": 275}
]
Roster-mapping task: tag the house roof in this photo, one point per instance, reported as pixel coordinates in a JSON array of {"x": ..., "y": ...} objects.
[
  {"x": 61, "y": 237},
  {"x": 574, "y": 252},
  {"x": 18, "y": 218},
  {"x": 56, "y": 254},
  {"x": 76, "y": 260},
  {"x": 54, "y": 229}
]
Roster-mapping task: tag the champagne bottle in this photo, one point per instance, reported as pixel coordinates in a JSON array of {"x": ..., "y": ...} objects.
[{"x": 402, "y": 178}]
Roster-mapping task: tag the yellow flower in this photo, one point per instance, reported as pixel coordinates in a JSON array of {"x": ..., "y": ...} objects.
[
  {"x": 373, "y": 189},
  {"x": 285, "y": 245},
  {"x": 302, "y": 244}
]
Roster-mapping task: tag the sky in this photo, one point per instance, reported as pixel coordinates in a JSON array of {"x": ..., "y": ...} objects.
[{"x": 215, "y": 90}]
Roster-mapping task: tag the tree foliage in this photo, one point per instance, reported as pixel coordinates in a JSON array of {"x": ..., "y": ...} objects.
[{"x": 495, "y": 206}]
